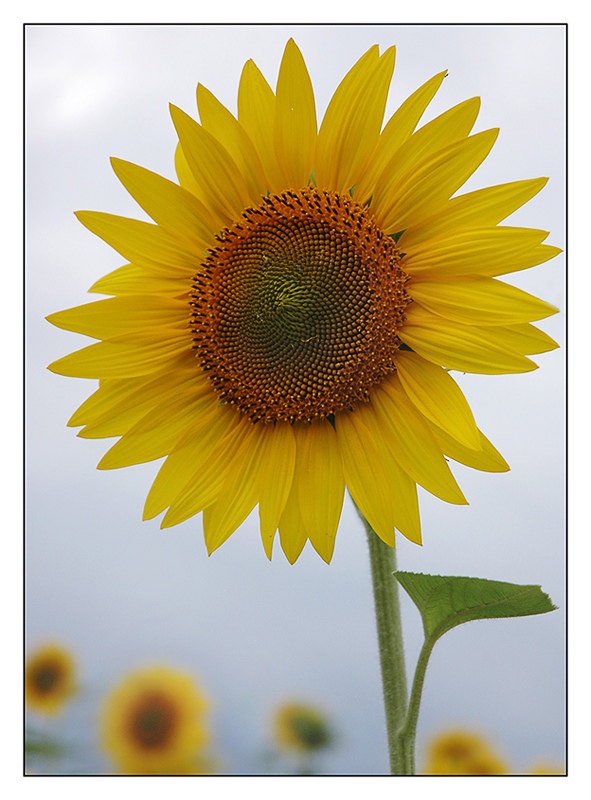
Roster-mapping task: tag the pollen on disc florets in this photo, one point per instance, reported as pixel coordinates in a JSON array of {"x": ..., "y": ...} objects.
[{"x": 295, "y": 312}]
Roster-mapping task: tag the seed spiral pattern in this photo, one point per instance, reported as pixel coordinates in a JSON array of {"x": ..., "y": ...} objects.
[{"x": 295, "y": 312}]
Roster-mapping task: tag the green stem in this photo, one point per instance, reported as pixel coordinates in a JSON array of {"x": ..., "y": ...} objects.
[
  {"x": 389, "y": 626},
  {"x": 408, "y": 733}
]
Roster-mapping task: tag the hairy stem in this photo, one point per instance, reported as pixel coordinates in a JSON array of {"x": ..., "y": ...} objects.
[{"x": 389, "y": 628}]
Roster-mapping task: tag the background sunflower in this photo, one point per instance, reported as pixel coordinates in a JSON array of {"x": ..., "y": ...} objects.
[
  {"x": 50, "y": 679},
  {"x": 154, "y": 722},
  {"x": 93, "y": 92}
]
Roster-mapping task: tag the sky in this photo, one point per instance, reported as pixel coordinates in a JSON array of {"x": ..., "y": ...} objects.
[{"x": 121, "y": 593}]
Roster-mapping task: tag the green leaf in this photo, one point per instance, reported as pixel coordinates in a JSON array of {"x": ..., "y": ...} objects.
[
  {"x": 40, "y": 744},
  {"x": 446, "y": 601}
]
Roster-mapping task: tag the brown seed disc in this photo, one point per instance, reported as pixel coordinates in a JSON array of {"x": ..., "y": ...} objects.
[
  {"x": 295, "y": 312},
  {"x": 154, "y": 722}
]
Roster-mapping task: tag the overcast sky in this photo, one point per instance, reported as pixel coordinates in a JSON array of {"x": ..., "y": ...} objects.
[{"x": 121, "y": 593}]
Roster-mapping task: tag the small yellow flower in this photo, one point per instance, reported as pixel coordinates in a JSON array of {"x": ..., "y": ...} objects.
[
  {"x": 49, "y": 679},
  {"x": 154, "y": 723},
  {"x": 301, "y": 727},
  {"x": 459, "y": 752},
  {"x": 286, "y": 326},
  {"x": 546, "y": 768}
]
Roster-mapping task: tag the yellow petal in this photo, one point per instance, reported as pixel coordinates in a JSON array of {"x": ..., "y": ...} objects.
[
  {"x": 120, "y": 404},
  {"x": 205, "y": 486},
  {"x": 158, "y": 431},
  {"x": 321, "y": 484},
  {"x": 398, "y": 129},
  {"x": 295, "y": 119},
  {"x": 276, "y": 478},
  {"x": 433, "y": 182},
  {"x": 292, "y": 532},
  {"x": 410, "y": 441},
  {"x": 381, "y": 489},
  {"x": 256, "y": 113},
  {"x": 216, "y": 119},
  {"x": 239, "y": 492},
  {"x": 185, "y": 176},
  {"x": 172, "y": 207},
  {"x": 479, "y": 251},
  {"x": 128, "y": 356},
  {"x": 438, "y": 397},
  {"x": 109, "y": 393},
  {"x": 349, "y": 134},
  {"x": 478, "y": 209},
  {"x": 487, "y": 459},
  {"x": 104, "y": 319},
  {"x": 403, "y": 488},
  {"x": 360, "y": 464},
  {"x": 479, "y": 301},
  {"x": 523, "y": 338},
  {"x": 146, "y": 245},
  {"x": 463, "y": 347},
  {"x": 452, "y": 126},
  {"x": 186, "y": 459},
  {"x": 221, "y": 186},
  {"x": 131, "y": 279}
]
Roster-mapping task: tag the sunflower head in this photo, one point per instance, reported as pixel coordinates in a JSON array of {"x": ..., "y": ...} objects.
[
  {"x": 459, "y": 752},
  {"x": 286, "y": 326},
  {"x": 301, "y": 727},
  {"x": 50, "y": 679},
  {"x": 155, "y": 722}
]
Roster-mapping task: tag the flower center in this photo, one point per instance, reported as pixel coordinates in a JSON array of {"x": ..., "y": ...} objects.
[
  {"x": 311, "y": 733},
  {"x": 153, "y": 722},
  {"x": 295, "y": 312},
  {"x": 47, "y": 678}
]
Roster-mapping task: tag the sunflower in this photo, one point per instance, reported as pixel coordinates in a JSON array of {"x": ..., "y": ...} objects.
[
  {"x": 301, "y": 727},
  {"x": 546, "y": 768},
  {"x": 286, "y": 326},
  {"x": 49, "y": 679},
  {"x": 153, "y": 723},
  {"x": 459, "y": 752}
]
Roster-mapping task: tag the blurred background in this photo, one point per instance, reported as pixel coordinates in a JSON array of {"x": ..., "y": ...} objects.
[{"x": 120, "y": 594}]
